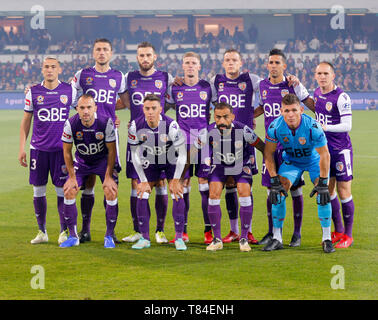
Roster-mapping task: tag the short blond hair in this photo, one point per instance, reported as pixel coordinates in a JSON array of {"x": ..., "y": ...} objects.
[{"x": 192, "y": 54}]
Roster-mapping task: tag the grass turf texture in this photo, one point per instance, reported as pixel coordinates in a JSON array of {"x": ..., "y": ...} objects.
[{"x": 160, "y": 272}]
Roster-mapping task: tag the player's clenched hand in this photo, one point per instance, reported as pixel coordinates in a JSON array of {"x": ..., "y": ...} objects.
[
  {"x": 142, "y": 188},
  {"x": 275, "y": 190},
  {"x": 117, "y": 122},
  {"x": 323, "y": 193},
  {"x": 176, "y": 189},
  {"x": 22, "y": 159}
]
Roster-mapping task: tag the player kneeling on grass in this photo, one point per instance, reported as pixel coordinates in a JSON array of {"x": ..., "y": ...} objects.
[
  {"x": 227, "y": 144},
  {"x": 157, "y": 145},
  {"x": 305, "y": 149},
  {"x": 95, "y": 141}
]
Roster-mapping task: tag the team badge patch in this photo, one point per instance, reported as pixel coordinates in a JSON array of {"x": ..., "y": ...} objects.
[
  {"x": 247, "y": 170},
  {"x": 64, "y": 169},
  {"x": 242, "y": 86},
  {"x": 328, "y": 106},
  {"x": 79, "y": 135},
  {"x": 63, "y": 99},
  {"x": 158, "y": 84},
  {"x": 221, "y": 86},
  {"x": 112, "y": 83},
  {"x": 238, "y": 144},
  {"x": 284, "y": 92},
  {"x": 163, "y": 137},
  {"x": 285, "y": 139},
  {"x": 134, "y": 83},
  {"x": 99, "y": 135},
  {"x": 89, "y": 81},
  {"x": 203, "y": 95},
  {"x": 339, "y": 166},
  {"x": 264, "y": 93},
  {"x": 40, "y": 99},
  {"x": 302, "y": 140},
  {"x": 180, "y": 94}
]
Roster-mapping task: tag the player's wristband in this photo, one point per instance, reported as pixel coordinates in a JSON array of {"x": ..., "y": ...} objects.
[
  {"x": 275, "y": 181},
  {"x": 323, "y": 182}
]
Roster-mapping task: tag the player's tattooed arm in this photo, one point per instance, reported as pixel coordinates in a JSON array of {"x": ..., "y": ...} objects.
[
  {"x": 310, "y": 103},
  {"x": 168, "y": 106},
  {"x": 123, "y": 102},
  {"x": 258, "y": 112},
  {"x": 71, "y": 183}
]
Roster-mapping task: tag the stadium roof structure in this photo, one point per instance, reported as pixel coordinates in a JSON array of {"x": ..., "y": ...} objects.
[{"x": 181, "y": 7}]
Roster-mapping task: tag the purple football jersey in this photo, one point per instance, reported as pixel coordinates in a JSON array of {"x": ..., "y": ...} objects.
[
  {"x": 329, "y": 109},
  {"x": 230, "y": 151},
  {"x": 192, "y": 107},
  {"x": 90, "y": 141},
  {"x": 103, "y": 86},
  {"x": 50, "y": 110},
  {"x": 238, "y": 93},
  {"x": 139, "y": 86},
  {"x": 271, "y": 97}
]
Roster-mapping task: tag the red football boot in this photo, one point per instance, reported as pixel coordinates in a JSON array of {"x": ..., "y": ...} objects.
[
  {"x": 208, "y": 237},
  {"x": 231, "y": 237},
  {"x": 251, "y": 238},
  {"x": 336, "y": 236},
  {"x": 345, "y": 242}
]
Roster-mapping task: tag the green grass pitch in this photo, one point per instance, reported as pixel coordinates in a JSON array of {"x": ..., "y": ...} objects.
[{"x": 160, "y": 272}]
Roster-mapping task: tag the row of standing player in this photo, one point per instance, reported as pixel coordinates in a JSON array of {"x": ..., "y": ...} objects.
[{"x": 104, "y": 83}]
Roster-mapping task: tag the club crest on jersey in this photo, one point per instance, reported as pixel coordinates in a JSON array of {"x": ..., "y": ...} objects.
[
  {"x": 79, "y": 135},
  {"x": 163, "y": 137},
  {"x": 112, "y": 83},
  {"x": 134, "y": 83},
  {"x": 238, "y": 144},
  {"x": 180, "y": 95},
  {"x": 302, "y": 140},
  {"x": 328, "y": 106},
  {"x": 203, "y": 95},
  {"x": 89, "y": 81},
  {"x": 63, "y": 99},
  {"x": 264, "y": 93},
  {"x": 339, "y": 166},
  {"x": 221, "y": 86},
  {"x": 40, "y": 99},
  {"x": 64, "y": 169},
  {"x": 285, "y": 139},
  {"x": 158, "y": 84},
  {"x": 284, "y": 92},
  {"x": 99, "y": 135},
  {"x": 242, "y": 86},
  {"x": 247, "y": 170}
]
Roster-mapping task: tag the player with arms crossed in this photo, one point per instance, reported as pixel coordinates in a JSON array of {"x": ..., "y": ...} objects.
[
  {"x": 104, "y": 84},
  {"x": 192, "y": 102},
  {"x": 333, "y": 110},
  {"x": 304, "y": 149},
  {"x": 95, "y": 140},
  {"x": 271, "y": 92},
  {"x": 155, "y": 139},
  {"x": 140, "y": 83},
  {"x": 49, "y": 103},
  {"x": 228, "y": 144},
  {"x": 236, "y": 89}
]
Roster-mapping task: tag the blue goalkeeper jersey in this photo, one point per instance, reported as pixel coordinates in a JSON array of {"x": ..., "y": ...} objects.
[{"x": 299, "y": 145}]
